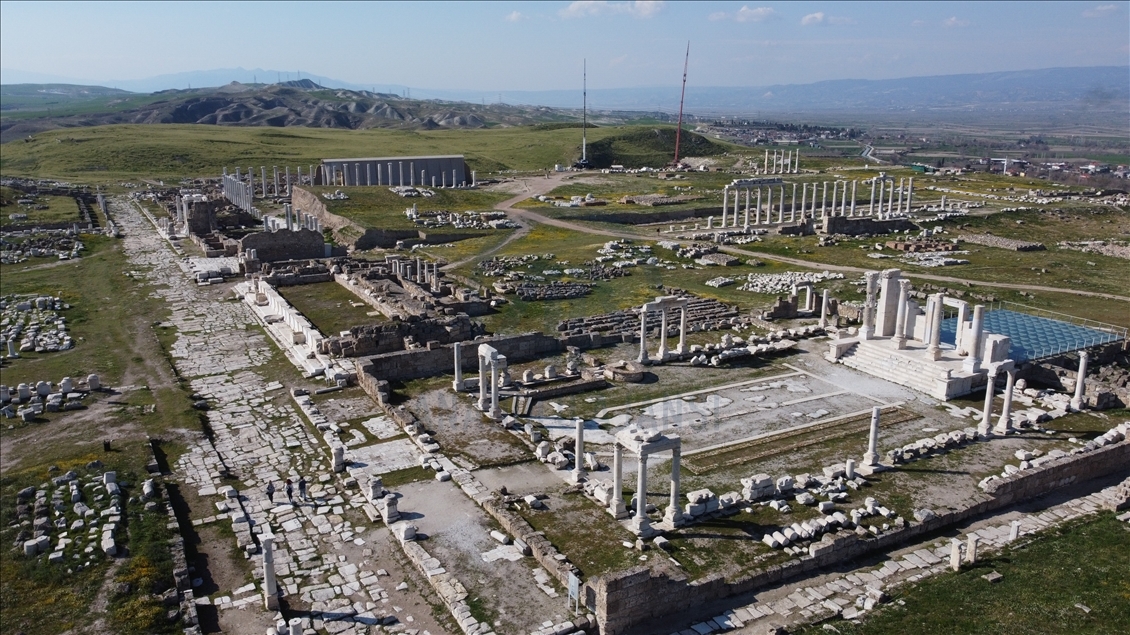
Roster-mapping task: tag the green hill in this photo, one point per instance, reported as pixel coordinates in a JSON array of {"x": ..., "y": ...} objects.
[
  {"x": 108, "y": 153},
  {"x": 642, "y": 146}
]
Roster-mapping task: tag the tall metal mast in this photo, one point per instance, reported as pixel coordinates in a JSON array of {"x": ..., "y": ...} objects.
[
  {"x": 679, "y": 129},
  {"x": 584, "y": 110}
]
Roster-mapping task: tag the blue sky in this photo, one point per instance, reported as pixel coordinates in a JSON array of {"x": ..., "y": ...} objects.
[{"x": 538, "y": 46}]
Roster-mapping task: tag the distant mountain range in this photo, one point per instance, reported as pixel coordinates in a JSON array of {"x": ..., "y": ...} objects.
[
  {"x": 1092, "y": 87},
  {"x": 26, "y": 109},
  {"x": 29, "y": 108}
]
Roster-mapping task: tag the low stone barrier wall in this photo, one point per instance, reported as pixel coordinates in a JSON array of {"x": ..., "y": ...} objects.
[{"x": 625, "y": 601}]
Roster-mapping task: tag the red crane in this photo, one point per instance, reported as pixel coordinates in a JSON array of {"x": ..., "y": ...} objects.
[{"x": 679, "y": 129}]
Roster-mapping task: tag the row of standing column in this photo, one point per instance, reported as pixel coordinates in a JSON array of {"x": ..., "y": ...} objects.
[
  {"x": 278, "y": 188},
  {"x": 341, "y": 175},
  {"x": 616, "y": 506},
  {"x": 782, "y": 163},
  {"x": 842, "y": 204}
]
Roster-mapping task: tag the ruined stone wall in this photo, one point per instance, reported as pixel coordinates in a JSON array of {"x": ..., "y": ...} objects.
[
  {"x": 856, "y": 226},
  {"x": 440, "y": 360},
  {"x": 285, "y": 245},
  {"x": 202, "y": 216},
  {"x": 625, "y": 601},
  {"x": 375, "y": 339}
]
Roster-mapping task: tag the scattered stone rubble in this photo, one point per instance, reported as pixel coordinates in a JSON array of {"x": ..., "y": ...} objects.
[
  {"x": 35, "y": 322},
  {"x": 16, "y": 247},
  {"x": 74, "y": 519},
  {"x": 777, "y": 283},
  {"x": 27, "y": 401},
  {"x": 1033, "y": 459},
  {"x": 990, "y": 240},
  {"x": 703, "y": 314},
  {"x": 1112, "y": 248},
  {"x": 460, "y": 220}
]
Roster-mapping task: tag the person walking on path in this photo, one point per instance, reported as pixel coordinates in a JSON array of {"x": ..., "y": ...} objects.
[
  {"x": 302, "y": 487},
  {"x": 271, "y": 491},
  {"x": 290, "y": 491}
]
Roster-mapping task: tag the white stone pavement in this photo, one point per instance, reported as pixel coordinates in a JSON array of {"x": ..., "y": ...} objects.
[{"x": 218, "y": 348}]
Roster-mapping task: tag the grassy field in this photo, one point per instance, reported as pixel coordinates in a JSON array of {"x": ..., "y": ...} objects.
[
  {"x": 329, "y": 306},
  {"x": 110, "y": 318},
  {"x": 378, "y": 207},
  {"x": 110, "y": 153},
  {"x": 60, "y": 209},
  {"x": 1045, "y": 581},
  {"x": 641, "y": 285}
]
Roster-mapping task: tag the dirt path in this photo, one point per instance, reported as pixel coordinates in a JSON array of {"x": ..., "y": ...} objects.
[
  {"x": 102, "y": 600},
  {"x": 539, "y": 186}
]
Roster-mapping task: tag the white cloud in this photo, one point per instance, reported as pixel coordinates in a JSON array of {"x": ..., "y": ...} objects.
[
  {"x": 812, "y": 18},
  {"x": 760, "y": 14},
  {"x": 637, "y": 9},
  {"x": 515, "y": 16},
  {"x": 917, "y": 23},
  {"x": 1100, "y": 11},
  {"x": 719, "y": 15},
  {"x": 954, "y": 21}
]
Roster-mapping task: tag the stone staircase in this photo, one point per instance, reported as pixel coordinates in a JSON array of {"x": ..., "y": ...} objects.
[{"x": 893, "y": 366}]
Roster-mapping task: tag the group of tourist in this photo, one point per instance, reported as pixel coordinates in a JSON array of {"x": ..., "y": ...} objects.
[{"x": 289, "y": 490}]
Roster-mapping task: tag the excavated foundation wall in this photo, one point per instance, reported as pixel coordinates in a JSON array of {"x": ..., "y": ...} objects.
[{"x": 637, "y": 600}]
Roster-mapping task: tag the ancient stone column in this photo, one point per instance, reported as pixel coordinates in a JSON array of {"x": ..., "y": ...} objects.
[
  {"x": 824, "y": 310},
  {"x": 803, "y": 198},
  {"x": 339, "y": 458},
  {"x": 853, "y": 184},
  {"x": 682, "y": 330},
  {"x": 871, "y": 456},
  {"x": 1080, "y": 382},
  {"x": 882, "y": 184},
  {"x": 663, "y": 334},
  {"x": 1004, "y": 424},
  {"x": 270, "y": 585},
  {"x": 495, "y": 411},
  {"x": 641, "y": 523},
  {"x": 900, "y": 195},
  {"x": 781, "y": 207},
  {"x": 735, "y": 223},
  {"x": 900, "y": 316},
  {"x": 674, "y": 516},
  {"x": 849, "y": 468},
  {"x": 935, "y": 347},
  {"x": 765, "y": 168},
  {"x": 1014, "y": 531},
  {"x": 746, "y": 225},
  {"x": 972, "y": 363},
  {"x": 725, "y": 203},
  {"x": 616, "y": 505},
  {"x": 757, "y": 219},
  {"x": 457, "y": 385},
  {"x": 484, "y": 404},
  {"x": 891, "y": 198},
  {"x": 960, "y": 337},
  {"x": 792, "y": 209},
  {"x": 909, "y": 194},
  {"x": 971, "y": 548},
  {"x": 769, "y": 205},
  {"x": 955, "y": 554},
  {"x": 579, "y": 452},
  {"x": 643, "y": 336},
  {"x": 835, "y": 188},
  {"x": 823, "y": 200},
  {"x": 868, "y": 327},
  {"x": 983, "y": 428}
]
